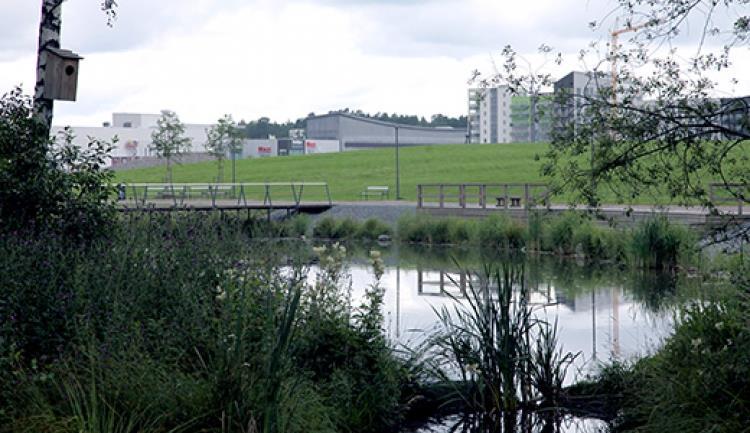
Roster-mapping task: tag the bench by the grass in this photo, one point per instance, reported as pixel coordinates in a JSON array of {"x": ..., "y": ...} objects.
[
  {"x": 514, "y": 201},
  {"x": 377, "y": 191}
]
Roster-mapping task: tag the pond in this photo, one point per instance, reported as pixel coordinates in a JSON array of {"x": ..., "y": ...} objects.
[{"x": 602, "y": 312}]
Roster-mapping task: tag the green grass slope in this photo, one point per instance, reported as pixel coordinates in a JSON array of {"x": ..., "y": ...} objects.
[{"x": 348, "y": 173}]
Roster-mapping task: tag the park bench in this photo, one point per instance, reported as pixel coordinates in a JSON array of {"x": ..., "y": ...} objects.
[
  {"x": 514, "y": 201},
  {"x": 379, "y": 191}
]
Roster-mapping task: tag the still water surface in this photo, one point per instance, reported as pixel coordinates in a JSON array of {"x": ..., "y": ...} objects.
[{"x": 603, "y": 312}]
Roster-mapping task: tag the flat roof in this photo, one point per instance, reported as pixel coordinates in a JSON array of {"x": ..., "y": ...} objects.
[{"x": 389, "y": 124}]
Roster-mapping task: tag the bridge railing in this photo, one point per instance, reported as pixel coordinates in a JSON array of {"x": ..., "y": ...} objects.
[
  {"x": 215, "y": 194},
  {"x": 730, "y": 194},
  {"x": 483, "y": 195}
]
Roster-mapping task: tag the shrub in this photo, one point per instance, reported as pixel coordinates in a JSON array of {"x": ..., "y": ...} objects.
[
  {"x": 325, "y": 228},
  {"x": 462, "y": 231},
  {"x": 346, "y": 228},
  {"x": 413, "y": 229},
  {"x": 697, "y": 382},
  {"x": 439, "y": 231},
  {"x": 501, "y": 232},
  {"x": 50, "y": 187},
  {"x": 559, "y": 234},
  {"x": 535, "y": 230},
  {"x": 658, "y": 244},
  {"x": 515, "y": 235},
  {"x": 299, "y": 225},
  {"x": 372, "y": 229},
  {"x": 490, "y": 233},
  {"x": 227, "y": 341}
]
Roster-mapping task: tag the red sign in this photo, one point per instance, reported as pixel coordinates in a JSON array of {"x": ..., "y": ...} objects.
[
  {"x": 265, "y": 150},
  {"x": 310, "y": 144}
]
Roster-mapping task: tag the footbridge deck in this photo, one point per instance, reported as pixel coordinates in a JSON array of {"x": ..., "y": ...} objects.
[{"x": 300, "y": 197}]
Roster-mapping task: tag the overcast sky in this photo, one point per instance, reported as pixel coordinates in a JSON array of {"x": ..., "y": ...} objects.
[{"x": 286, "y": 58}]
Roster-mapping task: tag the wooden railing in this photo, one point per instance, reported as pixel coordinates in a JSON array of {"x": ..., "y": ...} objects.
[
  {"x": 483, "y": 195},
  {"x": 181, "y": 194},
  {"x": 729, "y": 194}
]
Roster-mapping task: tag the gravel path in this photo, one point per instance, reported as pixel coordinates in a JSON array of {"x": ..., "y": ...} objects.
[{"x": 386, "y": 211}]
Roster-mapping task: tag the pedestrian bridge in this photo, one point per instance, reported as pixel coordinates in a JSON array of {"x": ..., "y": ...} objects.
[{"x": 298, "y": 197}]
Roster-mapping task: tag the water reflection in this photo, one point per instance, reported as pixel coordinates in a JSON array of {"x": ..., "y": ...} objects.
[
  {"x": 603, "y": 312},
  {"x": 523, "y": 422}
]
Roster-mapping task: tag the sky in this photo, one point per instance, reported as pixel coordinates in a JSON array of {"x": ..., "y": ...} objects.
[{"x": 286, "y": 58}]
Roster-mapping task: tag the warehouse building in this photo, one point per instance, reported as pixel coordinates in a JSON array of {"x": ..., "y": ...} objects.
[{"x": 354, "y": 132}]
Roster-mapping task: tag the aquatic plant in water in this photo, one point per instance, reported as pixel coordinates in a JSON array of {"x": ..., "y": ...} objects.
[{"x": 499, "y": 358}]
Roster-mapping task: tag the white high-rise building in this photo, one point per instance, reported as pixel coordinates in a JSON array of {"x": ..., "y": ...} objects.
[{"x": 489, "y": 115}]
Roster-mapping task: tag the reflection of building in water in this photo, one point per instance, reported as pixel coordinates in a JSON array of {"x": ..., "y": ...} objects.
[
  {"x": 455, "y": 284},
  {"x": 599, "y": 300}
]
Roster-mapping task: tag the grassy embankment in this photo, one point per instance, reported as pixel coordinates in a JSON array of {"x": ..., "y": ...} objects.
[{"x": 350, "y": 172}]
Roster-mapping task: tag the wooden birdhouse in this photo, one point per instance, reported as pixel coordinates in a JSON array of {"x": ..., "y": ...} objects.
[{"x": 61, "y": 75}]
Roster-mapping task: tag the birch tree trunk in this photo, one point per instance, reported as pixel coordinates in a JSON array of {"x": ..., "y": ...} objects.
[{"x": 49, "y": 37}]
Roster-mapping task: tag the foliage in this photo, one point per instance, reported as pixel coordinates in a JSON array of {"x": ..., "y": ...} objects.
[
  {"x": 662, "y": 135},
  {"x": 653, "y": 243},
  {"x": 485, "y": 343},
  {"x": 46, "y": 185},
  {"x": 697, "y": 382},
  {"x": 221, "y": 139},
  {"x": 325, "y": 228},
  {"x": 372, "y": 229},
  {"x": 168, "y": 140},
  {"x": 658, "y": 244},
  {"x": 350, "y": 229},
  {"x": 179, "y": 323}
]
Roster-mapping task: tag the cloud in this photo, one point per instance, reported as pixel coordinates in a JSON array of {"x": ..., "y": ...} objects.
[{"x": 286, "y": 58}]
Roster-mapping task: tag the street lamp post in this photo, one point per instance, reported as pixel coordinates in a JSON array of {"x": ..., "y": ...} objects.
[
  {"x": 234, "y": 169},
  {"x": 398, "y": 180}
]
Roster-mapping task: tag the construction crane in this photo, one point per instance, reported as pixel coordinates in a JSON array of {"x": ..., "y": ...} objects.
[{"x": 615, "y": 38}]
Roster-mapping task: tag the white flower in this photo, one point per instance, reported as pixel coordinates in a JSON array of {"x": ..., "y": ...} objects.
[
  {"x": 696, "y": 342},
  {"x": 719, "y": 325},
  {"x": 319, "y": 250},
  {"x": 220, "y": 294},
  {"x": 375, "y": 254}
]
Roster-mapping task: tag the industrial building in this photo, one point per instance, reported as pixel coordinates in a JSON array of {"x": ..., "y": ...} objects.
[
  {"x": 133, "y": 132},
  {"x": 354, "y": 132}
]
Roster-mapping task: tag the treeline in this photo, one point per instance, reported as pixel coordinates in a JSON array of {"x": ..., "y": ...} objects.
[{"x": 264, "y": 127}]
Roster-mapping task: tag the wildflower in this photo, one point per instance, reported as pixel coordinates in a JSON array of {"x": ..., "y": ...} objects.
[
  {"x": 342, "y": 249},
  {"x": 719, "y": 326},
  {"x": 319, "y": 250},
  {"x": 220, "y": 294},
  {"x": 375, "y": 254},
  {"x": 696, "y": 342}
]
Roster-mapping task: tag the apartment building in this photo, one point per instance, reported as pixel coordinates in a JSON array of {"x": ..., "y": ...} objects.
[{"x": 489, "y": 119}]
